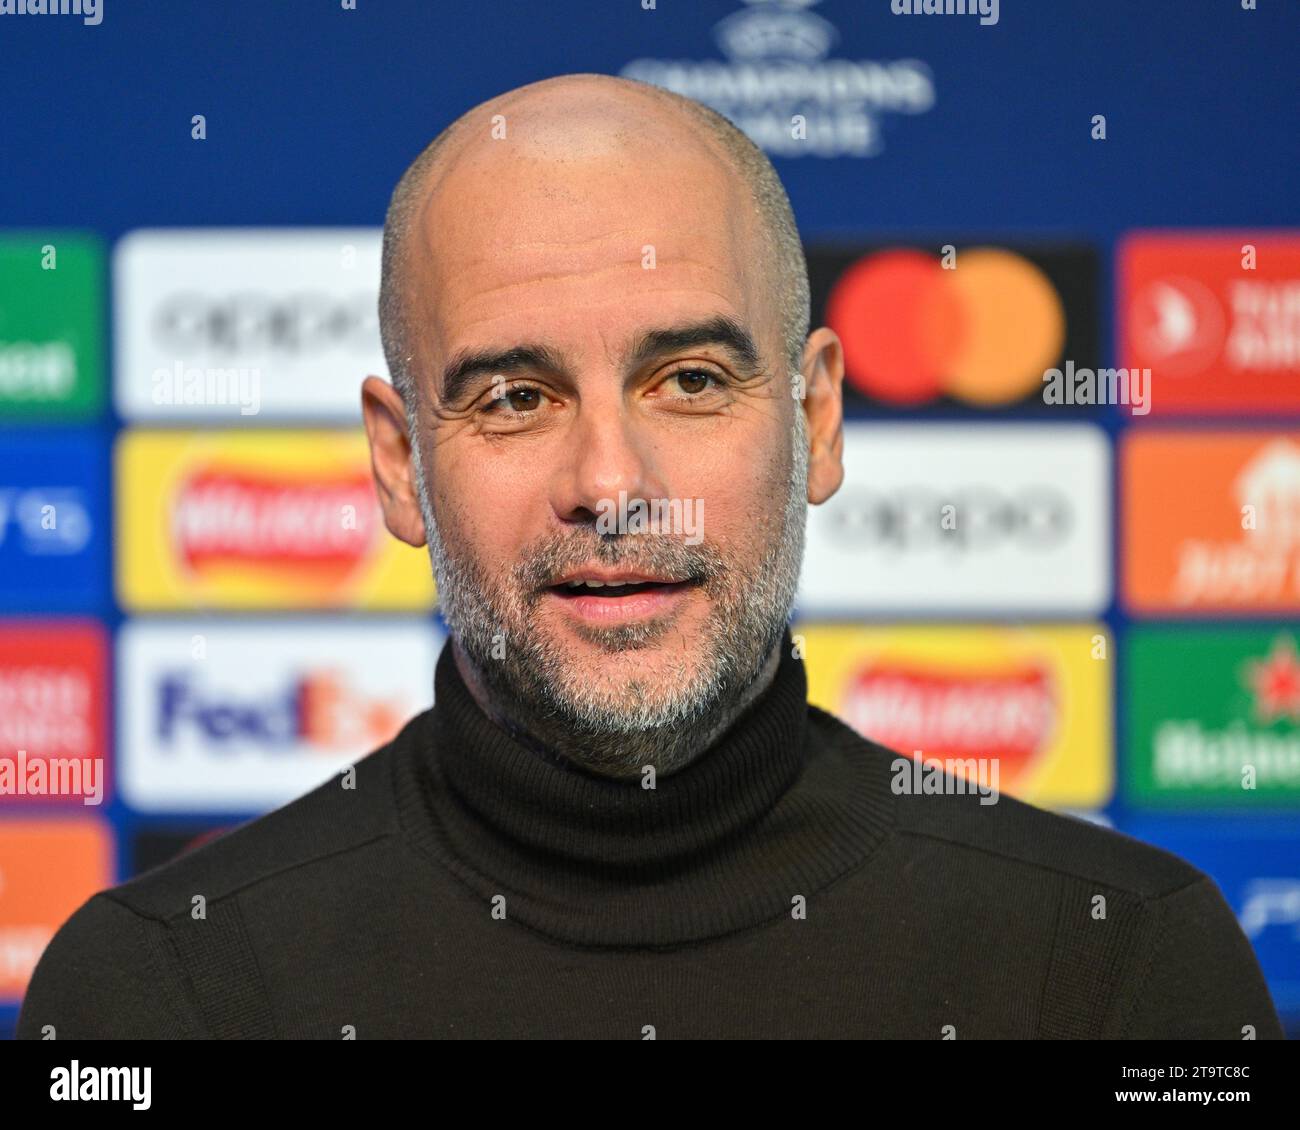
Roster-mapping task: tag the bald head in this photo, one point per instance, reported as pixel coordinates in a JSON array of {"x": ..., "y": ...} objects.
[{"x": 578, "y": 121}]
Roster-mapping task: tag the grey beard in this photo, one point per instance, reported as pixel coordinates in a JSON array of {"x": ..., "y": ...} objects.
[{"x": 526, "y": 676}]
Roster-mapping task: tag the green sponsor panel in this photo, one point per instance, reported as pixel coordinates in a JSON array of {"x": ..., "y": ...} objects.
[
  {"x": 1213, "y": 717},
  {"x": 51, "y": 325}
]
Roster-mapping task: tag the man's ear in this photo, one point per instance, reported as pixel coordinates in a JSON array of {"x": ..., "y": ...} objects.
[
  {"x": 823, "y": 373},
  {"x": 390, "y": 460}
]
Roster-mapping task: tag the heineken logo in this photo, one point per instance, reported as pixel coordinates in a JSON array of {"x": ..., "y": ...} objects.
[
  {"x": 1275, "y": 682},
  {"x": 1215, "y": 715}
]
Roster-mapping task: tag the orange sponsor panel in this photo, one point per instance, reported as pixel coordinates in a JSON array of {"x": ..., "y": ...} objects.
[
  {"x": 1211, "y": 522},
  {"x": 48, "y": 868}
]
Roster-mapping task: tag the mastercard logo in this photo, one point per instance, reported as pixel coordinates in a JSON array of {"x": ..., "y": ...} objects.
[{"x": 983, "y": 331}]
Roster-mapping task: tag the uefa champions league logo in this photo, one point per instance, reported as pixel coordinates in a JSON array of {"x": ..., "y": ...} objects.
[{"x": 779, "y": 82}]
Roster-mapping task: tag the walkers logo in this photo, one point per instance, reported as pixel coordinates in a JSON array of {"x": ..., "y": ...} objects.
[
  {"x": 781, "y": 85},
  {"x": 270, "y": 519},
  {"x": 232, "y": 324},
  {"x": 48, "y": 868},
  {"x": 216, "y": 717},
  {"x": 54, "y": 520},
  {"x": 1211, "y": 521},
  {"x": 1215, "y": 316},
  {"x": 947, "y": 518},
  {"x": 1214, "y": 716},
  {"x": 53, "y": 707},
  {"x": 944, "y": 325},
  {"x": 51, "y": 325},
  {"x": 232, "y": 518},
  {"x": 1036, "y": 700}
]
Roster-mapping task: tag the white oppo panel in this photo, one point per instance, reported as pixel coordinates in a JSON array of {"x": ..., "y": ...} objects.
[
  {"x": 971, "y": 518},
  {"x": 246, "y": 324}
]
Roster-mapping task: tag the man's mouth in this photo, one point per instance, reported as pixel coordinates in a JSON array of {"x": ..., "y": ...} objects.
[{"x": 619, "y": 596}]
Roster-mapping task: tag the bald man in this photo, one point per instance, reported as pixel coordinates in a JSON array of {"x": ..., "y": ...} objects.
[{"x": 622, "y": 819}]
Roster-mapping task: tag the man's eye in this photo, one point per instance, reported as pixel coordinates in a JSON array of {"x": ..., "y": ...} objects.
[
  {"x": 518, "y": 400},
  {"x": 694, "y": 381}
]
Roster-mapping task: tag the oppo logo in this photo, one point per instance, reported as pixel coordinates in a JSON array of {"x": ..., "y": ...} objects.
[
  {"x": 970, "y": 519},
  {"x": 252, "y": 322}
]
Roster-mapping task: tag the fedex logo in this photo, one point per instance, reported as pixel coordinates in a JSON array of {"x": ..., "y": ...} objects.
[
  {"x": 317, "y": 709},
  {"x": 222, "y": 716},
  {"x": 180, "y": 703}
]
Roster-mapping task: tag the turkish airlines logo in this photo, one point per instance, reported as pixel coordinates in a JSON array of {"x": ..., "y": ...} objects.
[
  {"x": 1178, "y": 324},
  {"x": 1216, "y": 312},
  {"x": 232, "y": 517}
]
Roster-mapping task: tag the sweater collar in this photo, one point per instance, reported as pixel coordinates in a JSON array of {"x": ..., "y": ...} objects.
[{"x": 722, "y": 844}]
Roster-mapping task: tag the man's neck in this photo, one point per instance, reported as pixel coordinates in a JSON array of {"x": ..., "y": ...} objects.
[{"x": 554, "y": 748}]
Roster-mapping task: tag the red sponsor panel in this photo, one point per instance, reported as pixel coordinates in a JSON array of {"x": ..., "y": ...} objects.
[
  {"x": 1215, "y": 316},
  {"x": 54, "y": 746}
]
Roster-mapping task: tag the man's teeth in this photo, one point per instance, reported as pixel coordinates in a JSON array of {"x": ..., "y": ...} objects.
[{"x": 604, "y": 584}]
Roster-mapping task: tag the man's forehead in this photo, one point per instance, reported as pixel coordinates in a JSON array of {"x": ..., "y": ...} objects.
[
  {"x": 506, "y": 198},
  {"x": 569, "y": 241}
]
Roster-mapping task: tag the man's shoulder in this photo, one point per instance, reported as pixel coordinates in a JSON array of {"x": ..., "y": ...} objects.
[
  {"x": 109, "y": 971},
  {"x": 1170, "y": 961},
  {"x": 948, "y": 810},
  {"x": 349, "y": 810}
]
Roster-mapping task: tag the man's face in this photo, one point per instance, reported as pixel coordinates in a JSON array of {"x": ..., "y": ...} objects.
[{"x": 648, "y": 384}]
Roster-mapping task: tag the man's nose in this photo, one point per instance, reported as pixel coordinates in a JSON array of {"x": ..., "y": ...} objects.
[{"x": 610, "y": 459}]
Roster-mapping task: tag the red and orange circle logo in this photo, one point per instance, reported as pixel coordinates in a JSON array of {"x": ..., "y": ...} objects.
[{"x": 983, "y": 332}]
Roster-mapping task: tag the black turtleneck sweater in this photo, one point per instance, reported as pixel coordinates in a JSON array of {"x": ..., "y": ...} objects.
[{"x": 776, "y": 887}]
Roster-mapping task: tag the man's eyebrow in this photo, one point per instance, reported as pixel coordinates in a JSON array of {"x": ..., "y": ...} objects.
[
  {"x": 719, "y": 330},
  {"x": 467, "y": 366}
]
